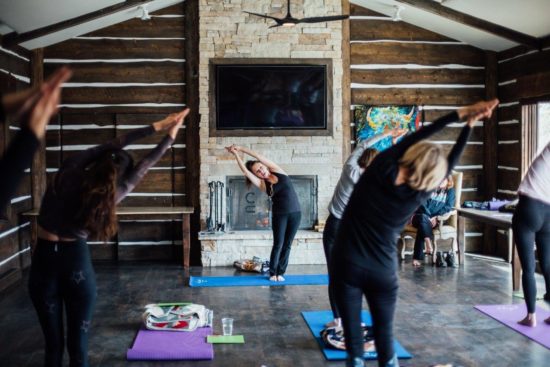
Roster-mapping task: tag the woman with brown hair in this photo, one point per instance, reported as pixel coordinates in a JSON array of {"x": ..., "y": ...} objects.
[
  {"x": 81, "y": 202},
  {"x": 396, "y": 182},
  {"x": 270, "y": 178}
]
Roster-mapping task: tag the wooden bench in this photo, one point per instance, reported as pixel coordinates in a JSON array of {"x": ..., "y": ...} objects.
[{"x": 142, "y": 213}]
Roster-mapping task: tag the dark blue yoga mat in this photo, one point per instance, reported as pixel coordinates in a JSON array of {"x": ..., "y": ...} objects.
[
  {"x": 316, "y": 321},
  {"x": 252, "y": 280}
]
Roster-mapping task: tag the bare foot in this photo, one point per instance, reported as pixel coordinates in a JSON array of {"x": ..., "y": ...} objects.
[
  {"x": 416, "y": 263},
  {"x": 273, "y": 278},
  {"x": 529, "y": 320},
  {"x": 280, "y": 278},
  {"x": 547, "y": 321},
  {"x": 334, "y": 323}
]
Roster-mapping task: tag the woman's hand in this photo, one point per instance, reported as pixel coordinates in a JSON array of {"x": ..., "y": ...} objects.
[
  {"x": 232, "y": 149},
  {"x": 36, "y": 111},
  {"x": 177, "y": 122},
  {"x": 397, "y": 133},
  {"x": 170, "y": 120},
  {"x": 477, "y": 111}
]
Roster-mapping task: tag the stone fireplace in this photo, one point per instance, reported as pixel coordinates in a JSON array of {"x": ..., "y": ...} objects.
[
  {"x": 250, "y": 209},
  {"x": 227, "y": 32}
]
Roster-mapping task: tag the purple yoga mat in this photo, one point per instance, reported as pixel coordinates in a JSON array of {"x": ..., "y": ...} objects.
[
  {"x": 171, "y": 345},
  {"x": 509, "y": 315}
]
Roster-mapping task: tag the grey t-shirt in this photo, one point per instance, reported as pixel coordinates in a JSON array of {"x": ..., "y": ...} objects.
[{"x": 351, "y": 173}]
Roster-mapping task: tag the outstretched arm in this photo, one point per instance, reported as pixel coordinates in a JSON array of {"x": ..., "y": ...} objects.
[
  {"x": 172, "y": 124},
  {"x": 251, "y": 176},
  {"x": 273, "y": 167},
  {"x": 84, "y": 158},
  {"x": 471, "y": 113}
]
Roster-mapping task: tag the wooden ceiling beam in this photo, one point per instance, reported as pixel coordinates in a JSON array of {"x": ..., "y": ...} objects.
[
  {"x": 451, "y": 14},
  {"x": 14, "y": 38}
]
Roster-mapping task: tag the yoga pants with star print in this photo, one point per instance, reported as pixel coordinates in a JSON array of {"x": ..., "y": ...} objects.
[{"x": 62, "y": 276}]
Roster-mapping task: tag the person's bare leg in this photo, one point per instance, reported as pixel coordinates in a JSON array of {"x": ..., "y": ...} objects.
[
  {"x": 529, "y": 320},
  {"x": 428, "y": 245}
]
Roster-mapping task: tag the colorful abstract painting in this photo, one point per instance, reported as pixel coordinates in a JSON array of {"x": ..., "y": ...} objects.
[{"x": 374, "y": 120}]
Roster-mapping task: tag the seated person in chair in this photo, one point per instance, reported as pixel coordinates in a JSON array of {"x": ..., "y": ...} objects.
[{"x": 425, "y": 218}]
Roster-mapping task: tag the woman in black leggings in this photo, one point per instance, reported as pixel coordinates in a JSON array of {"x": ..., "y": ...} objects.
[
  {"x": 81, "y": 202},
  {"x": 531, "y": 224},
  {"x": 286, "y": 212},
  {"x": 364, "y": 261}
]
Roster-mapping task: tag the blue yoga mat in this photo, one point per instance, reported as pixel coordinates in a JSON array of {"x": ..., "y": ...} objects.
[
  {"x": 316, "y": 321},
  {"x": 251, "y": 280}
]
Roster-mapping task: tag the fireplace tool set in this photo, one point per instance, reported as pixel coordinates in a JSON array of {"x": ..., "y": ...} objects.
[{"x": 214, "y": 222}]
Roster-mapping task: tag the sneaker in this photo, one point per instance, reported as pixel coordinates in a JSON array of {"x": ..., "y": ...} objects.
[
  {"x": 439, "y": 260},
  {"x": 273, "y": 278},
  {"x": 451, "y": 260},
  {"x": 280, "y": 278}
]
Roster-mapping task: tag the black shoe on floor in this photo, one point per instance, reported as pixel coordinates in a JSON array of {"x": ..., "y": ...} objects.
[
  {"x": 439, "y": 261},
  {"x": 450, "y": 259}
]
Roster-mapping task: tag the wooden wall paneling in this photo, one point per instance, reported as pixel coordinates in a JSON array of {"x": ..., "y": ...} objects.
[
  {"x": 420, "y": 76},
  {"x": 374, "y": 29},
  {"x": 192, "y": 161},
  {"x": 415, "y": 53},
  {"x": 530, "y": 63},
  {"x": 116, "y": 49},
  {"x": 450, "y": 134},
  {"x": 508, "y": 157},
  {"x": 509, "y": 132},
  {"x": 508, "y": 179},
  {"x": 122, "y": 95},
  {"x": 509, "y": 112},
  {"x": 535, "y": 85},
  {"x": 135, "y": 72},
  {"x": 439, "y": 96},
  {"x": 137, "y": 28},
  {"x": 14, "y": 64}
]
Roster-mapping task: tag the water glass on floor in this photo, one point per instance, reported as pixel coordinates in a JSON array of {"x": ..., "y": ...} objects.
[{"x": 227, "y": 326}]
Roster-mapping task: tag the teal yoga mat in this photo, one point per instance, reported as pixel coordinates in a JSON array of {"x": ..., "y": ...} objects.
[
  {"x": 254, "y": 280},
  {"x": 316, "y": 321}
]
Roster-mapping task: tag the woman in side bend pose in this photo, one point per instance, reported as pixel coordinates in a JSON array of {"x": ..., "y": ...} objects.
[
  {"x": 397, "y": 181},
  {"x": 531, "y": 224},
  {"x": 355, "y": 165},
  {"x": 81, "y": 202},
  {"x": 270, "y": 178}
]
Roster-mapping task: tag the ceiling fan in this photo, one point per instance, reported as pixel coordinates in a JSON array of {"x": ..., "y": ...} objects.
[{"x": 289, "y": 20}]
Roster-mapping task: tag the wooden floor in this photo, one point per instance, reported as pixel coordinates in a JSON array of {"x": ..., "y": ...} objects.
[{"x": 435, "y": 318}]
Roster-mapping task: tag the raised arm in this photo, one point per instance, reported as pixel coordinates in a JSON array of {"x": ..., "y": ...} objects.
[
  {"x": 370, "y": 142},
  {"x": 172, "y": 124},
  {"x": 87, "y": 156},
  {"x": 273, "y": 167},
  {"x": 256, "y": 181},
  {"x": 473, "y": 112}
]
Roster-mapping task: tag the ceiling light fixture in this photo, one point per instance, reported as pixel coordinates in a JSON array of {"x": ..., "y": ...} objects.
[{"x": 144, "y": 12}]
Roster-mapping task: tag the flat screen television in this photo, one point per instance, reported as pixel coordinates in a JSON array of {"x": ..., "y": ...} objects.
[{"x": 271, "y": 96}]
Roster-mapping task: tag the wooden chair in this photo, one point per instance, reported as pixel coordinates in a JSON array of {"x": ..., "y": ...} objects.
[{"x": 445, "y": 230}]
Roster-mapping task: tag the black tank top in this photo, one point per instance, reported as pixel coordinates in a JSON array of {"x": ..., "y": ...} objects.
[{"x": 282, "y": 195}]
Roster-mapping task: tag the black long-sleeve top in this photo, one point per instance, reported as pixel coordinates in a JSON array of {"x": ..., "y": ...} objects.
[
  {"x": 15, "y": 161},
  {"x": 378, "y": 209},
  {"x": 62, "y": 198}
]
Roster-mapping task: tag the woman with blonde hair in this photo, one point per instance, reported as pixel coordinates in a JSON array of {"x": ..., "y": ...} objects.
[
  {"x": 397, "y": 181},
  {"x": 270, "y": 178}
]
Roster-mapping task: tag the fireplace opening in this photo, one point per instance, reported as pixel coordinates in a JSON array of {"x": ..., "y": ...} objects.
[{"x": 250, "y": 209}]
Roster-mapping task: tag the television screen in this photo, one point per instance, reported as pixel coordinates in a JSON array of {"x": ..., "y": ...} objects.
[{"x": 259, "y": 97}]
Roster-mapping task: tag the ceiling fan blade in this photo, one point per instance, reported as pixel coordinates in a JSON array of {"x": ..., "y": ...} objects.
[
  {"x": 263, "y": 16},
  {"x": 323, "y": 19}
]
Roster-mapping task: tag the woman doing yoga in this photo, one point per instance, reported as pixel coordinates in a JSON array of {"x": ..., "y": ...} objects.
[
  {"x": 531, "y": 224},
  {"x": 81, "y": 202},
  {"x": 354, "y": 166},
  {"x": 397, "y": 181},
  {"x": 286, "y": 212}
]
